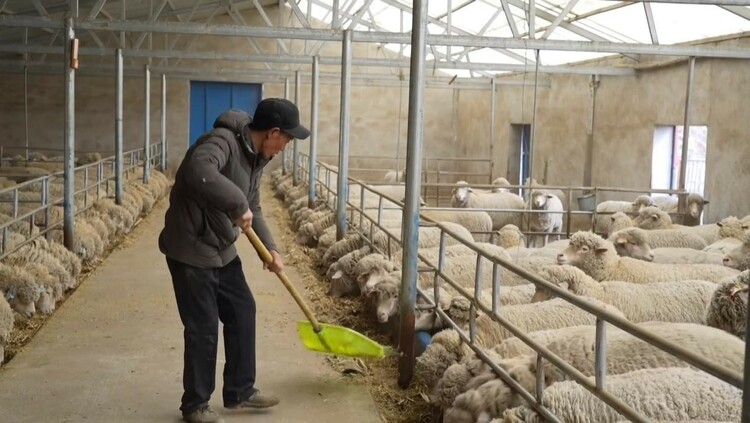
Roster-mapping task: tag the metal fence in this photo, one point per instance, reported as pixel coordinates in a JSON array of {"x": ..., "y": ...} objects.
[
  {"x": 93, "y": 181},
  {"x": 325, "y": 174}
]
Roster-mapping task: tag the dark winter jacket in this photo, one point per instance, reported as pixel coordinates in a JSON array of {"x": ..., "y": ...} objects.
[{"x": 216, "y": 183}]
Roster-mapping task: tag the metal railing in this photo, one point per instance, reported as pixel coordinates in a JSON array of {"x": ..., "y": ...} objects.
[
  {"x": 98, "y": 181},
  {"x": 603, "y": 316}
]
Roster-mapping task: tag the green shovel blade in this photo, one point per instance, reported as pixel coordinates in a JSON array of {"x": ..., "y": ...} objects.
[{"x": 338, "y": 340}]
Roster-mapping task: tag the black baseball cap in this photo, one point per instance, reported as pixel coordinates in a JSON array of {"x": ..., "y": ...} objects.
[{"x": 279, "y": 113}]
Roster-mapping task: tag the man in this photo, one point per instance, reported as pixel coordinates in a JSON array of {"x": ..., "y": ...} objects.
[{"x": 215, "y": 196}]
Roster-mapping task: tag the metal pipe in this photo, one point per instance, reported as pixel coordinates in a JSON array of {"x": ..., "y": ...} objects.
[
  {"x": 410, "y": 237},
  {"x": 342, "y": 182},
  {"x": 746, "y": 379},
  {"x": 26, "y": 108},
  {"x": 69, "y": 167},
  {"x": 295, "y": 150},
  {"x": 682, "y": 200},
  {"x": 118, "y": 127},
  {"x": 147, "y": 124},
  {"x": 493, "y": 85},
  {"x": 163, "y": 122},
  {"x": 600, "y": 358},
  {"x": 315, "y": 87},
  {"x": 284, "y": 153},
  {"x": 533, "y": 117}
]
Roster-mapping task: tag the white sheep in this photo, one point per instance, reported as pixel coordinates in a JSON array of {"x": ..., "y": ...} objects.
[
  {"x": 739, "y": 258},
  {"x": 659, "y": 238},
  {"x": 666, "y": 393},
  {"x": 653, "y": 218},
  {"x": 679, "y": 301},
  {"x": 309, "y": 232},
  {"x": 606, "y": 210},
  {"x": 597, "y": 258},
  {"x": 539, "y": 187},
  {"x": 549, "y": 221},
  {"x": 728, "y": 307},
  {"x": 509, "y": 236},
  {"x": 625, "y": 353},
  {"x": 695, "y": 204},
  {"x": 633, "y": 244},
  {"x": 619, "y": 221},
  {"x": 466, "y": 197},
  {"x": 500, "y": 184},
  {"x": 20, "y": 288},
  {"x": 6, "y": 325},
  {"x": 478, "y": 223}
]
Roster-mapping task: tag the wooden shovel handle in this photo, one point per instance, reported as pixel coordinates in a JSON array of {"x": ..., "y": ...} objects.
[{"x": 267, "y": 258}]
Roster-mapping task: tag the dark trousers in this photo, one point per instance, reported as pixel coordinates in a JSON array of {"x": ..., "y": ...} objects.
[{"x": 203, "y": 297}]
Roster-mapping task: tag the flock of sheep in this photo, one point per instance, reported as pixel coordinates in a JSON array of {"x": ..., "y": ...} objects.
[
  {"x": 39, "y": 269},
  {"x": 687, "y": 283}
]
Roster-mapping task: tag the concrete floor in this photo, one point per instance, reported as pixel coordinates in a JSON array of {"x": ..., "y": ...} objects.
[{"x": 113, "y": 351}]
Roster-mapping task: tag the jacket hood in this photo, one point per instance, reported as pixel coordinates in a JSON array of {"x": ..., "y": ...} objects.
[{"x": 234, "y": 120}]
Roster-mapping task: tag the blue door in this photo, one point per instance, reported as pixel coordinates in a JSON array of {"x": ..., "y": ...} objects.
[{"x": 209, "y": 99}]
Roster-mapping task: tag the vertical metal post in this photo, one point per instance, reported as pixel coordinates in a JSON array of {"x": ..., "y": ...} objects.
[
  {"x": 284, "y": 153},
  {"x": 493, "y": 85},
  {"x": 682, "y": 199},
  {"x": 69, "y": 169},
  {"x": 147, "y": 124},
  {"x": 311, "y": 194},
  {"x": 26, "y": 99},
  {"x": 449, "y": 28},
  {"x": 600, "y": 357},
  {"x": 589, "y": 160},
  {"x": 343, "y": 182},
  {"x": 410, "y": 236},
  {"x": 118, "y": 128},
  {"x": 295, "y": 149},
  {"x": 746, "y": 380},
  {"x": 163, "y": 122},
  {"x": 532, "y": 21},
  {"x": 335, "y": 14},
  {"x": 533, "y": 117}
]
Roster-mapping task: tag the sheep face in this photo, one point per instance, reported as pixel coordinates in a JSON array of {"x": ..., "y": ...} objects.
[
  {"x": 739, "y": 258},
  {"x": 386, "y": 301},
  {"x": 46, "y": 302},
  {"x": 695, "y": 206},
  {"x": 581, "y": 252},
  {"x": 641, "y": 202},
  {"x": 652, "y": 218},
  {"x": 539, "y": 200},
  {"x": 628, "y": 246},
  {"x": 461, "y": 193},
  {"x": 24, "y": 308}
]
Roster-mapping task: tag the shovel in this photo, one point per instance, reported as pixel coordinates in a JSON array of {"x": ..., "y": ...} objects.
[{"x": 321, "y": 337}]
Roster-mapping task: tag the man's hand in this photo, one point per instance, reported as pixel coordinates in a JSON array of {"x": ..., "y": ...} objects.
[
  {"x": 277, "y": 265},
  {"x": 245, "y": 221}
]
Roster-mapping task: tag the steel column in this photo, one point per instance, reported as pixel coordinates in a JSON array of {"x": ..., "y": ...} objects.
[
  {"x": 283, "y": 153},
  {"x": 533, "y": 118},
  {"x": 118, "y": 127},
  {"x": 163, "y": 122},
  {"x": 493, "y": 85},
  {"x": 410, "y": 237},
  {"x": 147, "y": 124},
  {"x": 342, "y": 185},
  {"x": 746, "y": 379},
  {"x": 686, "y": 123},
  {"x": 69, "y": 169},
  {"x": 312, "y": 167},
  {"x": 295, "y": 146}
]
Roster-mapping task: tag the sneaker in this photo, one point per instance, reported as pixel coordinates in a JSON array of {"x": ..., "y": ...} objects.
[
  {"x": 202, "y": 415},
  {"x": 257, "y": 400}
]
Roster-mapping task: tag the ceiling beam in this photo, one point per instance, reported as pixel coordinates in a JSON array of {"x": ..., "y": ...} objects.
[
  {"x": 740, "y": 11},
  {"x": 651, "y": 23},
  {"x": 298, "y": 13},
  {"x": 559, "y": 19}
]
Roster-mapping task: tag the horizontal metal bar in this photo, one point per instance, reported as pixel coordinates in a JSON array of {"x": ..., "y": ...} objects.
[
  {"x": 322, "y": 34},
  {"x": 711, "y": 2},
  {"x": 305, "y": 60}
]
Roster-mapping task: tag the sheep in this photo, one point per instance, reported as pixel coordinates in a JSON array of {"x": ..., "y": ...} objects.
[
  {"x": 723, "y": 246},
  {"x": 509, "y": 236},
  {"x": 549, "y": 221},
  {"x": 597, "y": 258},
  {"x": 728, "y": 307},
  {"x": 653, "y": 218},
  {"x": 695, "y": 204},
  {"x": 6, "y": 325},
  {"x": 309, "y": 232},
  {"x": 37, "y": 252},
  {"x": 120, "y": 215},
  {"x": 626, "y": 353},
  {"x": 605, "y": 210},
  {"x": 619, "y": 221},
  {"x": 476, "y": 222},
  {"x": 556, "y": 192},
  {"x": 465, "y": 197},
  {"x": 20, "y": 288},
  {"x": 659, "y": 238},
  {"x": 739, "y": 258},
  {"x": 665, "y": 393},
  {"x": 429, "y": 236},
  {"x": 68, "y": 259},
  {"x": 553, "y": 314},
  {"x": 50, "y": 288},
  {"x": 633, "y": 244},
  {"x": 679, "y": 301}
]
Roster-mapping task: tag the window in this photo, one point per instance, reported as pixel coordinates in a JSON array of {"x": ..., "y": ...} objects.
[
  {"x": 667, "y": 152},
  {"x": 518, "y": 156}
]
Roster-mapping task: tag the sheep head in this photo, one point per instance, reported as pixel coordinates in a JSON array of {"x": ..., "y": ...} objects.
[
  {"x": 539, "y": 200},
  {"x": 585, "y": 248},
  {"x": 695, "y": 203},
  {"x": 632, "y": 243},
  {"x": 641, "y": 202},
  {"x": 370, "y": 271},
  {"x": 461, "y": 192},
  {"x": 652, "y": 218},
  {"x": 386, "y": 293},
  {"x": 739, "y": 258}
]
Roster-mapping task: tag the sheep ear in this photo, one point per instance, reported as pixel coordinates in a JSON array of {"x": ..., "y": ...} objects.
[
  {"x": 549, "y": 195},
  {"x": 705, "y": 202},
  {"x": 745, "y": 227},
  {"x": 470, "y": 189},
  {"x": 654, "y": 217},
  {"x": 721, "y": 225},
  {"x": 337, "y": 275},
  {"x": 621, "y": 241},
  {"x": 563, "y": 285},
  {"x": 600, "y": 249}
]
